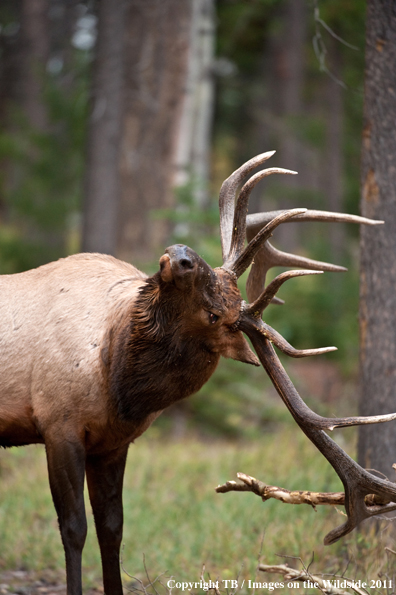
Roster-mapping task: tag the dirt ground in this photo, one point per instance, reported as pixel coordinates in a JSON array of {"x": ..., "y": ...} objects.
[{"x": 20, "y": 582}]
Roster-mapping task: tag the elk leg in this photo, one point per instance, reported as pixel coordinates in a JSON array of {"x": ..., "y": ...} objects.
[
  {"x": 66, "y": 469},
  {"x": 105, "y": 476}
]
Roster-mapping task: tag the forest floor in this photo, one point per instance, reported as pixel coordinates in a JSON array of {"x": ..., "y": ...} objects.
[
  {"x": 22, "y": 582},
  {"x": 175, "y": 522}
]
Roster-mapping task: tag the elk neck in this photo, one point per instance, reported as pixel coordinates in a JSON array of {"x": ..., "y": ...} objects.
[{"x": 154, "y": 360}]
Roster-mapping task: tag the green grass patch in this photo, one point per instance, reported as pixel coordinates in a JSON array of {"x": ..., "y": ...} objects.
[{"x": 174, "y": 518}]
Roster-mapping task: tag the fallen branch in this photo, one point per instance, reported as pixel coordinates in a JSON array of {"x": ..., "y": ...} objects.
[
  {"x": 251, "y": 484},
  {"x": 326, "y": 586}
]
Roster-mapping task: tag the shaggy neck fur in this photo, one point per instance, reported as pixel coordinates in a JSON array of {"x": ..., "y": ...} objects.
[{"x": 152, "y": 364}]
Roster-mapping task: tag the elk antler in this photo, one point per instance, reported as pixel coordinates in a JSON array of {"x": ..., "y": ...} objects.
[
  {"x": 233, "y": 220},
  {"x": 357, "y": 482},
  {"x": 269, "y": 257}
]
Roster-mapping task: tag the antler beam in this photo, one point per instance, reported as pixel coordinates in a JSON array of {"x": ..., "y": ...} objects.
[
  {"x": 235, "y": 222},
  {"x": 358, "y": 483},
  {"x": 257, "y": 331}
]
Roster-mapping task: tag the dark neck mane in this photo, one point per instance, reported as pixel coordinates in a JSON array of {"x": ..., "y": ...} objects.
[{"x": 151, "y": 365}]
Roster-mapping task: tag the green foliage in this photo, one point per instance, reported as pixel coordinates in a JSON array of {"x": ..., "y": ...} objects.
[
  {"x": 320, "y": 311},
  {"x": 241, "y": 27},
  {"x": 43, "y": 198}
]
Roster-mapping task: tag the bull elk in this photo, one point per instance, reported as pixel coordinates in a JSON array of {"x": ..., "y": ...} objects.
[{"x": 93, "y": 350}]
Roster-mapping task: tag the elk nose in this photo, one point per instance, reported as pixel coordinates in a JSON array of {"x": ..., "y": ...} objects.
[
  {"x": 181, "y": 256},
  {"x": 186, "y": 263}
]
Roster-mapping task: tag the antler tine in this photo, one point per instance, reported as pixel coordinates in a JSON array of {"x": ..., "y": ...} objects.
[
  {"x": 260, "y": 304},
  {"x": 227, "y": 198},
  {"x": 357, "y": 481},
  {"x": 268, "y": 257},
  {"x": 260, "y": 333},
  {"x": 277, "y": 339},
  {"x": 239, "y": 223},
  {"x": 240, "y": 265},
  {"x": 256, "y": 221}
]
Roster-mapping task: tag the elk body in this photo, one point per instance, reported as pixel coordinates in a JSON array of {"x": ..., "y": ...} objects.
[{"x": 92, "y": 351}]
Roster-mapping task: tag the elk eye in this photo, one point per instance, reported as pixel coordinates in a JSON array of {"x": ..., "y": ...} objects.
[{"x": 213, "y": 318}]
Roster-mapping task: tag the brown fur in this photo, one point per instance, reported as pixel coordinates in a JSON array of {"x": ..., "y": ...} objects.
[{"x": 92, "y": 351}]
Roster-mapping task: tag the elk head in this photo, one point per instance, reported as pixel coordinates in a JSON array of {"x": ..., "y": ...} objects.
[
  {"x": 234, "y": 225},
  {"x": 212, "y": 300},
  {"x": 184, "y": 318}
]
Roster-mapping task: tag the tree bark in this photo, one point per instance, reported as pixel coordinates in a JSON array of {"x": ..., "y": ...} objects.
[
  {"x": 291, "y": 72},
  {"x": 333, "y": 170},
  {"x": 192, "y": 153},
  {"x": 102, "y": 180},
  {"x": 377, "y": 445},
  {"x": 10, "y": 86},
  {"x": 63, "y": 23},
  {"x": 156, "y": 54},
  {"x": 35, "y": 40},
  {"x": 286, "y": 64}
]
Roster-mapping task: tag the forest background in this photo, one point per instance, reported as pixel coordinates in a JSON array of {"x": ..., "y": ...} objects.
[
  {"x": 271, "y": 76},
  {"x": 268, "y": 74}
]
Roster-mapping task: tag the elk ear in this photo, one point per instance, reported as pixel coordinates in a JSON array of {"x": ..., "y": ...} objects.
[
  {"x": 238, "y": 348},
  {"x": 165, "y": 268}
]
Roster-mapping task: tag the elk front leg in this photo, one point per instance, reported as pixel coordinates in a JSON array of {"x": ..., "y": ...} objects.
[
  {"x": 105, "y": 476},
  {"x": 66, "y": 469}
]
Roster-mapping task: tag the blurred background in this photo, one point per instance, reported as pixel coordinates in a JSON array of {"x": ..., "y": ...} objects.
[{"x": 119, "y": 121}]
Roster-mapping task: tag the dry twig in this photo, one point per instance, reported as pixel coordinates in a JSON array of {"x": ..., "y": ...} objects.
[{"x": 315, "y": 581}]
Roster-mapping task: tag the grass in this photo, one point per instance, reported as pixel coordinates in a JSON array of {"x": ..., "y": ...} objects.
[{"x": 177, "y": 522}]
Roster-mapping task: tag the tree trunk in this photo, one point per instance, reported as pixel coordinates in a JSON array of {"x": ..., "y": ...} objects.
[
  {"x": 333, "y": 168},
  {"x": 156, "y": 54},
  {"x": 63, "y": 24},
  {"x": 192, "y": 155},
  {"x": 291, "y": 72},
  {"x": 10, "y": 86},
  {"x": 286, "y": 65},
  {"x": 35, "y": 40},
  {"x": 102, "y": 180},
  {"x": 377, "y": 444}
]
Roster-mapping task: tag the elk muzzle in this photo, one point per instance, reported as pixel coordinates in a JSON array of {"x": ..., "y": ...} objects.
[{"x": 181, "y": 264}]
